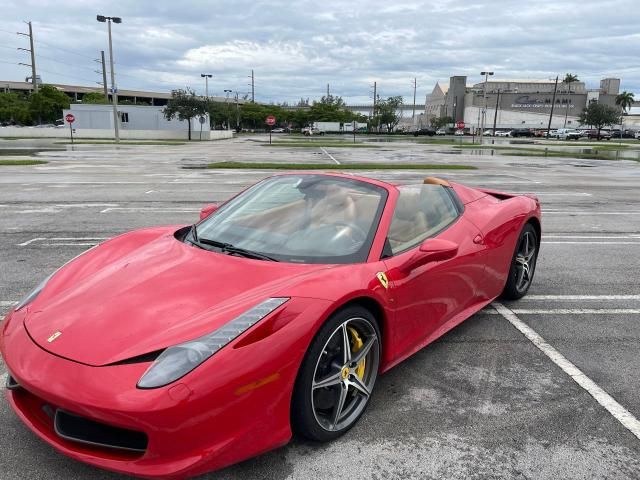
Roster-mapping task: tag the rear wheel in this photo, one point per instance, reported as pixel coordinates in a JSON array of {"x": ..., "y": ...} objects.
[
  {"x": 523, "y": 264},
  {"x": 337, "y": 376}
]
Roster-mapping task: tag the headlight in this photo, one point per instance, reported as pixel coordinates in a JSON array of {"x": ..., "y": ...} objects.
[
  {"x": 175, "y": 362},
  {"x": 34, "y": 293}
]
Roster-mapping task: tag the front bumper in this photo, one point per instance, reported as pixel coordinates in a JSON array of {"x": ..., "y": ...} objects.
[{"x": 227, "y": 410}]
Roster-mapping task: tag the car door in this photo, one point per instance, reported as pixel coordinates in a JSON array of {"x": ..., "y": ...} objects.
[{"x": 426, "y": 297}]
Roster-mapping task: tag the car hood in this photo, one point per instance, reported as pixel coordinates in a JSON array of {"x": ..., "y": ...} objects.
[{"x": 146, "y": 292}]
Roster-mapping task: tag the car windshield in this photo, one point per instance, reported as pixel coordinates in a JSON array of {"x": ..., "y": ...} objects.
[{"x": 301, "y": 218}]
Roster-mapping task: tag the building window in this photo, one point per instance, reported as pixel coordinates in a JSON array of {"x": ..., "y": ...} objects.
[{"x": 124, "y": 117}]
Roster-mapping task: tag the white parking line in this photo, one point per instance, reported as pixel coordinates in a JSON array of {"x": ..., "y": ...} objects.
[
  {"x": 329, "y": 155},
  {"x": 620, "y": 413},
  {"x": 65, "y": 240},
  {"x": 3, "y": 378},
  {"x": 582, "y": 297},
  {"x": 569, "y": 311},
  {"x": 569, "y": 242},
  {"x": 581, "y": 212},
  {"x": 148, "y": 209},
  {"x": 7, "y": 303}
]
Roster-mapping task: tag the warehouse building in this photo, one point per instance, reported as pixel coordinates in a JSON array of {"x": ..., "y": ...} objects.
[{"x": 514, "y": 103}]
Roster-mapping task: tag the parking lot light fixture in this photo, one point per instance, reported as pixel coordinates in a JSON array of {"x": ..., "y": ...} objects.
[
  {"x": 114, "y": 90},
  {"x": 206, "y": 77},
  {"x": 484, "y": 109}
]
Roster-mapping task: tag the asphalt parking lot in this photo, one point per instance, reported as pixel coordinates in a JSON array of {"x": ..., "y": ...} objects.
[{"x": 543, "y": 388}]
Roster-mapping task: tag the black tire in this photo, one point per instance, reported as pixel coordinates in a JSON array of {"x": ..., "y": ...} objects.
[
  {"x": 523, "y": 264},
  {"x": 308, "y": 421}
]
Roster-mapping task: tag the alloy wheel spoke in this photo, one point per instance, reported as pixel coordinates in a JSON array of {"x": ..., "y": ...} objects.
[
  {"x": 364, "y": 350},
  {"x": 359, "y": 386},
  {"x": 328, "y": 381},
  {"x": 346, "y": 346},
  {"x": 520, "y": 277},
  {"x": 340, "y": 405}
]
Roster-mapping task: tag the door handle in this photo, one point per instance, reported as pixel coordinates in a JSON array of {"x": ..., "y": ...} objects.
[{"x": 478, "y": 240}]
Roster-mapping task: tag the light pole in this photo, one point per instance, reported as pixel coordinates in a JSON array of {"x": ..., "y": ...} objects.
[
  {"x": 206, "y": 77},
  {"x": 114, "y": 90},
  {"x": 226, "y": 102},
  {"x": 484, "y": 110}
]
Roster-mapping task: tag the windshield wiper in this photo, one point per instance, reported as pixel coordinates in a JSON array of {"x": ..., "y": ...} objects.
[{"x": 228, "y": 248}]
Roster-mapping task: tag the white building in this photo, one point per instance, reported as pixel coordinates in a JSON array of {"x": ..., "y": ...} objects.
[{"x": 131, "y": 118}]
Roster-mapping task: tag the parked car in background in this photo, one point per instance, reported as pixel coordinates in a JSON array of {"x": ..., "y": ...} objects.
[
  {"x": 424, "y": 131},
  {"x": 503, "y": 133},
  {"x": 441, "y": 131},
  {"x": 604, "y": 135},
  {"x": 488, "y": 132},
  {"x": 279, "y": 130},
  {"x": 308, "y": 131},
  {"x": 570, "y": 135},
  {"x": 521, "y": 132},
  {"x": 540, "y": 133},
  {"x": 638, "y": 135},
  {"x": 459, "y": 132},
  {"x": 626, "y": 133}
]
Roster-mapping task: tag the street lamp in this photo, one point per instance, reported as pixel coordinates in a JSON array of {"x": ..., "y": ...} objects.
[
  {"x": 226, "y": 102},
  {"x": 484, "y": 94},
  {"x": 114, "y": 90},
  {"x": 206, "y": 77}
]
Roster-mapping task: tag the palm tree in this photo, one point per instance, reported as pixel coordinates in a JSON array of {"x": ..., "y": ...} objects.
[
  {"x": 569, "y": 78},
  {"x": 624, "y": 100}
]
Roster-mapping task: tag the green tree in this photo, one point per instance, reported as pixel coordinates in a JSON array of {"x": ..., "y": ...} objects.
[
  {"x": 95, "y": 98},
  {"x": 388, "y": 112},
  {"x": 569, "y": 78},
  {"x": 624, "y": 101},
  {"x": 441, "y": 121},
  {"x": 47, "y": 104},
  {"x": 185, "y": 105},
  {"x": 14, "y": 109},
  {"x": 598, "y": 115}
]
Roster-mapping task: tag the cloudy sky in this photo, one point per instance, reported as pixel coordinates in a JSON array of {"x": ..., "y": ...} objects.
[{"x": 297, "y": 47}]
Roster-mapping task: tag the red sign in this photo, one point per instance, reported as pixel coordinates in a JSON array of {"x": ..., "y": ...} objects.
[
  {"x": 460, "y": 125},
  {"x": 271, "y": 120},
  {"x": 70, "y": 118}
]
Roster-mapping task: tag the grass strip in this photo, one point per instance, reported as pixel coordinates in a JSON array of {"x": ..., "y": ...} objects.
[
  {"x": 113, "y": 142},
  {"x": 344, "y": 166},
  {"x": 318, "y": 144},
  {"x": 25, "y": 161}
]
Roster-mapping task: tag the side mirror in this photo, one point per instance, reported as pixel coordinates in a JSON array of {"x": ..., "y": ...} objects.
[
  {"x": 208, "y": 210},
  {"x": 431, "y": 250}
]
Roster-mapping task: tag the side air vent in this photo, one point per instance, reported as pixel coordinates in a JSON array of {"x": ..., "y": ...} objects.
[{"x": 79, "y": 429}]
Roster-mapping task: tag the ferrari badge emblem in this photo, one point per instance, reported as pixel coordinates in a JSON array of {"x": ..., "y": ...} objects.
[
  {"x": 53, "y": 337},
  {"x": 383, "y": 279}
]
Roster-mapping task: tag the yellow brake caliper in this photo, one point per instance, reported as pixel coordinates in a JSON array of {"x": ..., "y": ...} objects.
[{"x": 356, "y": 344}]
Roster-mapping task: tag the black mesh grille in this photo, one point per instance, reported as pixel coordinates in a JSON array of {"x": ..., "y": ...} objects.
[{"x": 80, "y": 429}]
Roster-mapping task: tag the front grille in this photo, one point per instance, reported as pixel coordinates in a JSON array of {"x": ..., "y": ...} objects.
[
  {"x": 11, "y": 383},
  {"x": 79, "y": 429}
]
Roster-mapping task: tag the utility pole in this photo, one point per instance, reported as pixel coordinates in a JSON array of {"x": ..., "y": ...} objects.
[
  {"x": 484, "y": 110},
  {"x": 328, "y": 94},
  {"x": 114, "y": 90},
  {"x": 375, "y": 100},
  {"x": 237, "y": 114},
  {"x": 103, "y": 71},
  {"x": 495, "y": 115},
  {"x": 553, "y": 102},
  {"x": 415, "y": 84},
  {"x": 33, "y": 57},
  {"x": 253, "y": 92}
]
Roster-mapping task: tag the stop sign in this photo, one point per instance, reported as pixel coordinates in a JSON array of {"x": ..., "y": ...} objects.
[
  {"x": 460, "y": 125},
  {"x": 271, "y": 120},
  {"x": 70, "y": 118}
]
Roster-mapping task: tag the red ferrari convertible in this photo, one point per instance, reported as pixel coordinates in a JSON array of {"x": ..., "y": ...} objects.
[{"x": 172, "y": 351}]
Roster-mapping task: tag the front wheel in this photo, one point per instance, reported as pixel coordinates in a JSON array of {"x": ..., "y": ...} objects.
[
  {"x": 337, "y": 376},
  {"x": 523, "y": 264}
]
